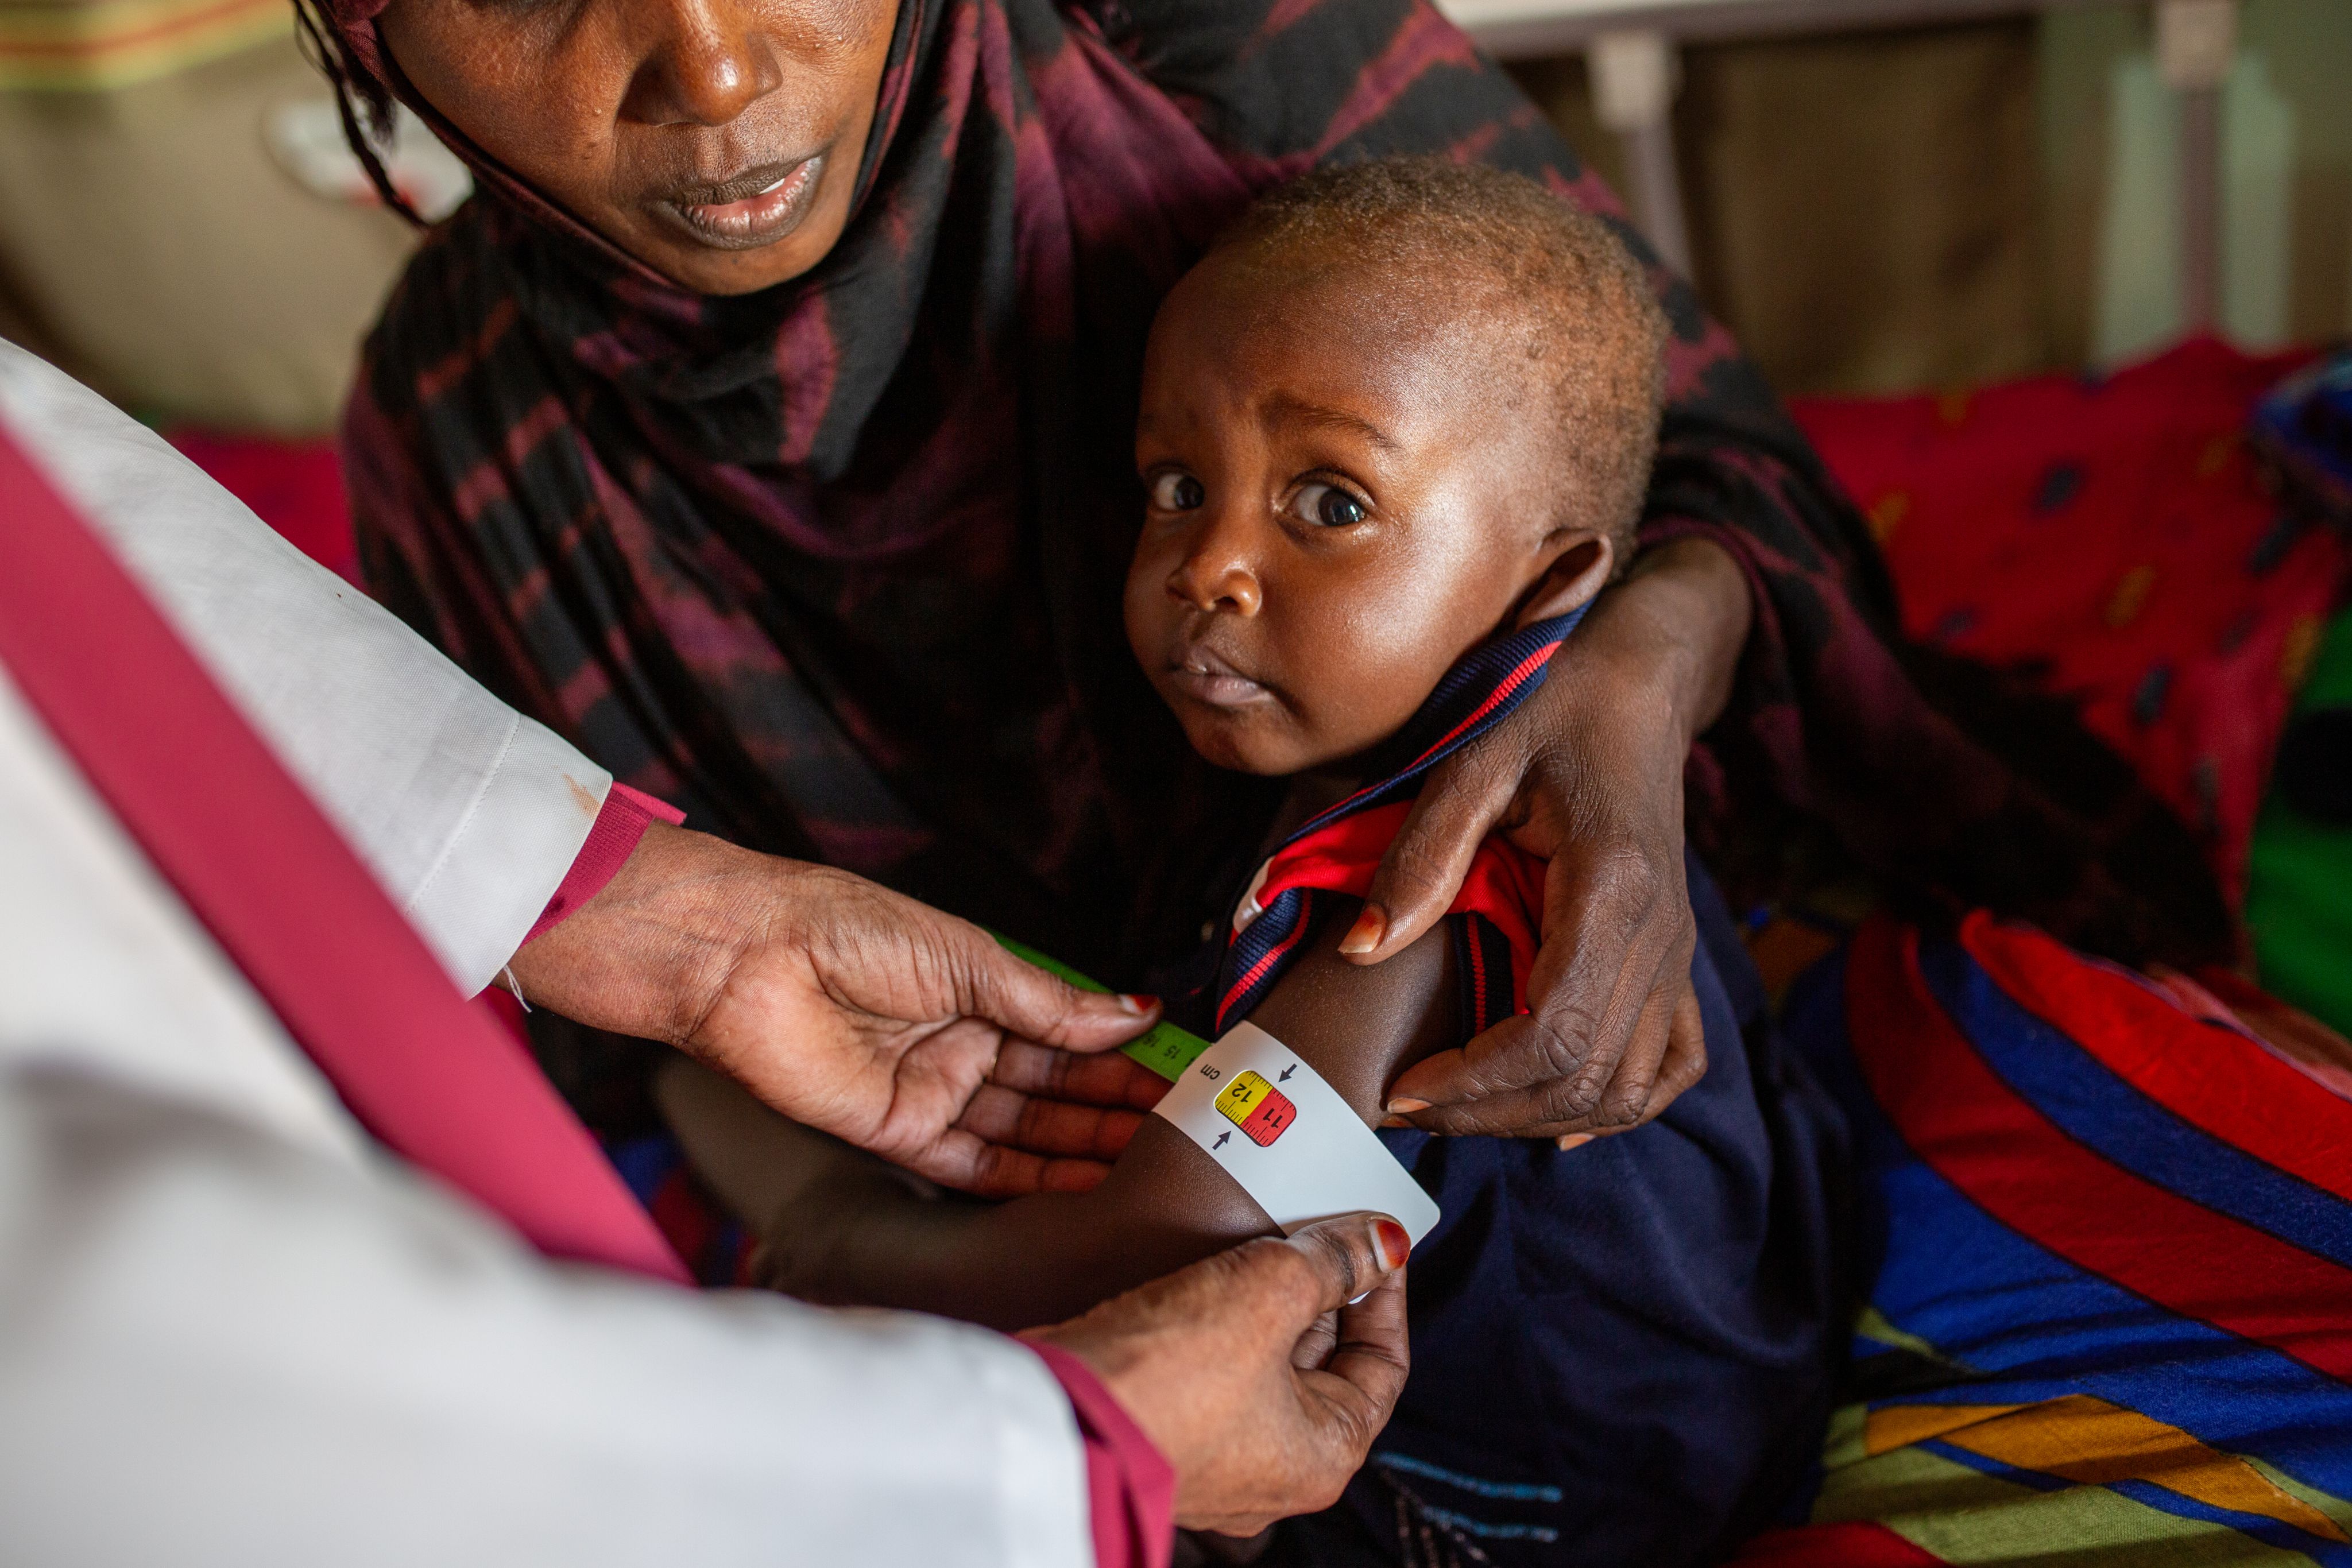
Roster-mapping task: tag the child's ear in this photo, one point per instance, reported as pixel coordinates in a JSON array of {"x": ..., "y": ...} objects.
[{"x": 1582, "y": 569}]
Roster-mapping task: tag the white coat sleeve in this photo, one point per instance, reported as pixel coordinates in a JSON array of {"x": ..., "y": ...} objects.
[
  {"x": 468, "y": 813},
  {"x": 233, "y": 1334},
  {"x": 226, "y": 1349}
]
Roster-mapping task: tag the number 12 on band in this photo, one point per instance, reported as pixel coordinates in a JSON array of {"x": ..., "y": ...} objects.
[{"x": 1259, "y": 1109}]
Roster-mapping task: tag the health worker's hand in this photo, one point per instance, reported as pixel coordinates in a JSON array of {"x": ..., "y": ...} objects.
[
  {"x": 855, "y": 1010},
  {"x": 1251, "y": 1373},
  {"x": 1586, "y": 773}
]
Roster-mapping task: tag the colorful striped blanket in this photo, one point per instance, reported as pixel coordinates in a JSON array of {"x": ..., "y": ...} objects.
[{"x": 2110, "y": 1237}]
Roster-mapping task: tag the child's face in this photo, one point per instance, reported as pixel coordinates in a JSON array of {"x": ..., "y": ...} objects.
[{"x": 1347, "y": 494}]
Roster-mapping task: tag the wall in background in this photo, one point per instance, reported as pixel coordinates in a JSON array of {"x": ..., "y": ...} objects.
[
  {"x": 149, "y": 242},
  {"x": 1864, "y": 209},
  {"x": 1886, "y": 211},
  {"x": 2108, "y": 132},
  {"x": 1869, "y": 212}
]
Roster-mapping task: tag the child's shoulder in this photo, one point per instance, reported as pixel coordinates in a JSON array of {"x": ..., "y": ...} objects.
[
  {"x": 1341, "y": 856},
  {"x": 1502, "y": 891}
]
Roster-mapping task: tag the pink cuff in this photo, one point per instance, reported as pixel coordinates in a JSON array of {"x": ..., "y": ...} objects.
[
  {"x": 1132, "y": 1488},
  {"x": 619, "y": 825}
]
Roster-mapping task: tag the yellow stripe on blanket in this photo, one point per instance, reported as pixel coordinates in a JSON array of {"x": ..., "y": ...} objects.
[
  {"x": 2086, "y": 1439},
  {"x": 1967, "y": 1518},
  {"x": 96, "y": 45}
]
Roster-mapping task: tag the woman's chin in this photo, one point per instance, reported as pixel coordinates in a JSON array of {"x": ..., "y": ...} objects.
[{"x": 678, "y": 253}]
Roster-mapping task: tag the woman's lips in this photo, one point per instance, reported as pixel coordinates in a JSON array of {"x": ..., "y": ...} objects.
[
  {"x": 1208, "y": 679},
  {"x": 753, "y": 209}
]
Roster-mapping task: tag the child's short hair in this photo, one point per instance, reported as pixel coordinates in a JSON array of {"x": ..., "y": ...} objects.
[{"x": 1594, "y": 316}]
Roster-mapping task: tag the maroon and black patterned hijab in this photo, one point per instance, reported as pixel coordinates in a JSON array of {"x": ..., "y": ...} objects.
[{"x": 837, "y": 565}]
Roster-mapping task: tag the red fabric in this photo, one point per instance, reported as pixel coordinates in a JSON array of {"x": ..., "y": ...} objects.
[
  {"x": 1854, "y": 1543},
  {"x": 1131, "y": 1487},
  {"x": 2115, "y": 533},
  {"x": 2302, "y": 1042},
  {"x": 2012, "y": 1162},
  {"x": 295, "y": 486},
  {"x": 285, "y": 897},
  {"x": 1505, "y": 884},
  {"x": 2230, "y": 1086},
  {"x": 620, "y": 823}
]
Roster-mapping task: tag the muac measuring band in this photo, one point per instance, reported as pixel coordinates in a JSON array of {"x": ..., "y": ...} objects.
[
  {"x": 1164, "y": 1047},
  {"x": 1271, "y": 1122}
]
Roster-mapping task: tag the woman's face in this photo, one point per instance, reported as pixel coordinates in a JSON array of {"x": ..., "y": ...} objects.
[{"x": 716, "y": 140}]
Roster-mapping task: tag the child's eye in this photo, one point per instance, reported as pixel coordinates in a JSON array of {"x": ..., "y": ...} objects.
[
  {"x": 1328, "y": 505},
  {"x": 1178, "y": 492}
]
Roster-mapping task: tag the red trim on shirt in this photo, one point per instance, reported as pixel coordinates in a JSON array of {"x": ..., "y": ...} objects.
[
  {"x": 1509, "y": 684},
  {"x": 1130, "y": 1486},
  {"x": 621, "y": 822},
  {"x": 1279, "y": 954},
  {"x": 1505, "y": 883},
  {"x": 1518, "y": 677}
]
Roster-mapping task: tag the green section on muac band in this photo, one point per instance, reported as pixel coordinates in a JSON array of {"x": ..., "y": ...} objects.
[{"x": 1165, "y": 1048}]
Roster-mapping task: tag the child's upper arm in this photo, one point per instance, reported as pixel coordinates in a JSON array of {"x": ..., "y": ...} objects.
[
  {"x": 1165, "y": 1203},
  {"x": 1360, "y": 1025}
]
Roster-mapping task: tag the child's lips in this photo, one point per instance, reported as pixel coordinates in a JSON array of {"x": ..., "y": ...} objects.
[{"x": 1206, "y": 679}]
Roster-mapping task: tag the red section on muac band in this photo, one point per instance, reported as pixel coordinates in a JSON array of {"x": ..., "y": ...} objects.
[
  {"x": 1256, "y": 1106},
  {"x": 1265, "y": 1123}
]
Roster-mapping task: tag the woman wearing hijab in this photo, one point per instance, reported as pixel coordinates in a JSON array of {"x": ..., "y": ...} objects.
[{"x": 763, "y": 428}]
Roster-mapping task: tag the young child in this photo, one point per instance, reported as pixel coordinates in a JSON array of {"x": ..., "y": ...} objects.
[{"x": 1395, "y": 433}]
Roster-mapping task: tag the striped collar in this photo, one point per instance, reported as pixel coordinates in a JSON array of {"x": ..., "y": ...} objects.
[{"x": 1476, "y": 694}]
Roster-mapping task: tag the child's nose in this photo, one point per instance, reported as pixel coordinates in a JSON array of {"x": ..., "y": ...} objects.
[
  {"x": 707, "y": 62},
  {"x": 1215, "y": 575}
]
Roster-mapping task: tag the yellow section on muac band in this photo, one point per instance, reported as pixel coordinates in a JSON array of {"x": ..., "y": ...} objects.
[{"x": 1242, "y": 1096}]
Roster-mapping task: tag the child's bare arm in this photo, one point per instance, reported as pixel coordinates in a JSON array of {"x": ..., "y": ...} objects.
[{"x": 839, "y": 1225}]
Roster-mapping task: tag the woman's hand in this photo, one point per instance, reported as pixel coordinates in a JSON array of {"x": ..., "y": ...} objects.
[
  {"x": 1251, "y": 1373},
  {"x": 854, "y": 1010},
  {"x": 1586, "y": 774}
]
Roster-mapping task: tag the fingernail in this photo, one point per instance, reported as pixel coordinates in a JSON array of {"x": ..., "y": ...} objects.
[
  {"x": 1405, "y": 1105},
  {"x": 1366, "y": 933},
  {"x": 1135, "y": 1005},
  {"x": 1573, "y": 1141},
  {"x": 1394, "y": 1243},
  {"x": 1394, "y": 1122}
]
